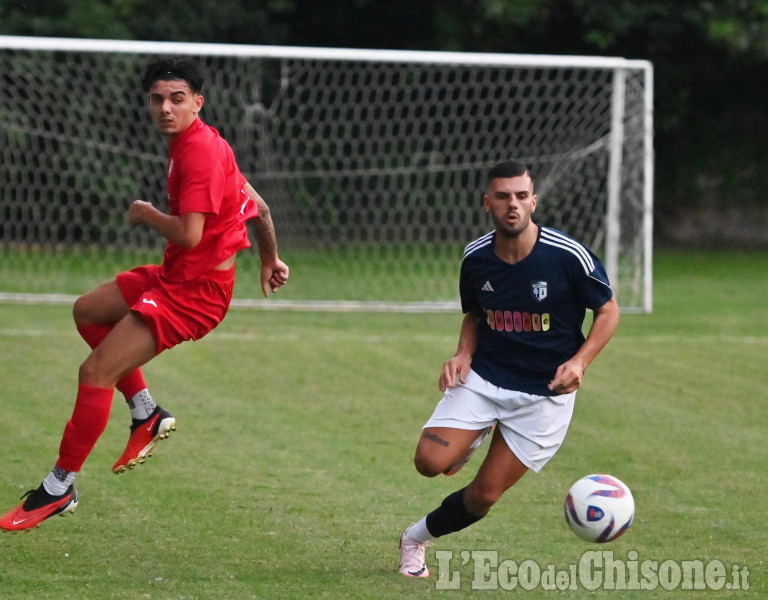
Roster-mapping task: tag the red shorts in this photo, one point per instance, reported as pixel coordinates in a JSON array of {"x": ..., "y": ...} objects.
[{"x": 177, "y": 312}]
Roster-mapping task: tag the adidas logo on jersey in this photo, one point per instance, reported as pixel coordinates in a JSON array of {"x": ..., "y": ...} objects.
[{"x": 487, "y": 287}]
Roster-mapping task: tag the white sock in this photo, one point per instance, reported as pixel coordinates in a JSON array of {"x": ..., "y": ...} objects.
[
  {"x": 419, "y": 533},
  {"x": 58, "y": 481},
  {"x": 142, "y": 405}
]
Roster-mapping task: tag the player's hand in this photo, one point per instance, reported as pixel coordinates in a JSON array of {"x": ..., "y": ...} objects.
[
  {"x": 567, "y": 378},
  {"x": 453, "y": 367},
  {"x": 137, "y": 211},
  {"x": 273, "y": 276}
]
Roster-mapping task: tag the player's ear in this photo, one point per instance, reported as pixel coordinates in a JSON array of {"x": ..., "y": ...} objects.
[{"x": 486, "y": 203}]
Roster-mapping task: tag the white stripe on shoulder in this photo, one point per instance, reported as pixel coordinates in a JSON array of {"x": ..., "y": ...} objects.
[
  {"x": 605, "y": 283},
  {"x": 553, "y": 237},
  {"x": 479, "y": 243}
]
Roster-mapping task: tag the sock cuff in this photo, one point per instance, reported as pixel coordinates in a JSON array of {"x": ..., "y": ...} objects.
[
  {"x": 450, "y": 516},
  {"x": 94, "y": 334},
  {"x": 90, "y": 395}
]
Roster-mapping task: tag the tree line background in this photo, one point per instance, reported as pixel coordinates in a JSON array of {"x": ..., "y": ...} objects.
[{"x": 710, "y": 61}]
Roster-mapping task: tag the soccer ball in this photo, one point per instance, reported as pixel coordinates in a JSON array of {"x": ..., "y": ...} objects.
[{"x": 599, "y": 508}]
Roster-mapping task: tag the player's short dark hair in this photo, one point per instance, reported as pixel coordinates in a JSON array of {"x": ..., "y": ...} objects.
[
  {"x": 171, "y": 69},
  {"x": 509, "y": 168}
]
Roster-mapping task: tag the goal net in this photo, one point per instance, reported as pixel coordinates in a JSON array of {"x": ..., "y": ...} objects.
[{"x": 373, "y": 162}]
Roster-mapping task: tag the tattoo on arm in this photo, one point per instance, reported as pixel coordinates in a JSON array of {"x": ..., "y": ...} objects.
[
  {"x": 437, "y": 439},
  {"x": 265, "y": 234},
  {"x": 265, "y": 229}
]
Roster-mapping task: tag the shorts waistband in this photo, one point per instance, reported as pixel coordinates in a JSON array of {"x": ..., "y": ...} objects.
[{"x": 220, "y": 274}]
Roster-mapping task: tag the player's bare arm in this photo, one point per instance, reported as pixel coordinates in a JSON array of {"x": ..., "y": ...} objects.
[
  {"x": 274, "y": 272},
  {"x": 185, "y": 230},
  {"x": 569, "y": 375},
  {"x": 459, "y": 363}
]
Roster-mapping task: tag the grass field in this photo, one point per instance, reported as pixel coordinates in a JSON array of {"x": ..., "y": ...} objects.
[{"x": 290, "y": 475}]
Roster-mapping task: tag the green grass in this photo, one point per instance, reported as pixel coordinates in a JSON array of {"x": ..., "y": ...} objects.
[{"x": 290, "y": 475}]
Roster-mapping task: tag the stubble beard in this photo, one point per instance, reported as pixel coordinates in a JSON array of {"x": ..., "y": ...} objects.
[{"x": 512, "y": 232}]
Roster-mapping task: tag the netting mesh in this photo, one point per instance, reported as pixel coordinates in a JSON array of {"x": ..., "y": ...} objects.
[{"x": 373, "y": 170}]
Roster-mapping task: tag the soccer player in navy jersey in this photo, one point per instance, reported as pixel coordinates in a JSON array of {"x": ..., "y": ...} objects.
[
  {"x": 142, "y": 312},
  {"x": 521, "y": 357}
]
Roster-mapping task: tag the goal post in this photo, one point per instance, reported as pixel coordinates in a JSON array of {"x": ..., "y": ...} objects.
[{"x": 373, "y": 162}]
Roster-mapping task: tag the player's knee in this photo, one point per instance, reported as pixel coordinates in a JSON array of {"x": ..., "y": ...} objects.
[
  {"x": 82, "y": 311},
  {"x": 427, "y": 465},
  {"x": 91, "y": 373},
  {"x": 78, "y": 311},
  {"x": 88, "y": 372}
]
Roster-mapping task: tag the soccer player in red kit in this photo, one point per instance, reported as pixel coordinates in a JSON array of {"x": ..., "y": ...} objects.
[{"x": 133, "y": 318}]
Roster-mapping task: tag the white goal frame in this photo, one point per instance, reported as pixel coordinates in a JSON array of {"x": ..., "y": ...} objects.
[{"x": 642, "y": 161}]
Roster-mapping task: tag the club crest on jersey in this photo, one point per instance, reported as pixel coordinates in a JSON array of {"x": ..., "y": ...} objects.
[{"x": 539, "y": 289}]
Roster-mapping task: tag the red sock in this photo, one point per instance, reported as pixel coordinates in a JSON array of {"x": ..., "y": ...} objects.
[
  {"x": 94, "y": 334},
  {"x": 129, "y": 385},
  {"x": 89, "y": 419}
]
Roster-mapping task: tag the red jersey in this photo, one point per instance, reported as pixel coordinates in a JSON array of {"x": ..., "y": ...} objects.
[{"x": 204, "y": 177}]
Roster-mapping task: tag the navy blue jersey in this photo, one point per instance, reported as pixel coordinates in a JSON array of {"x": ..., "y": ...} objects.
[{"x": 534, "y": 309}]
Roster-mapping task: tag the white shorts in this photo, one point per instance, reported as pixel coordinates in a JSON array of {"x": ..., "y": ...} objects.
[{"x": 534, "y": 427}]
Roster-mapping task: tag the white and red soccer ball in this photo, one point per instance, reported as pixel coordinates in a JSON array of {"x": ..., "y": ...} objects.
[{"x": 599, "y": 508}]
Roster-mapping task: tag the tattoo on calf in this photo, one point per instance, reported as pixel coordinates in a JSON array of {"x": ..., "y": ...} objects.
[{"x": 437, "y": 439}]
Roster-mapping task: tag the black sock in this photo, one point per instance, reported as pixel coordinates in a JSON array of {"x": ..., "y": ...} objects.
[{"x": 450, "y": 516}]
